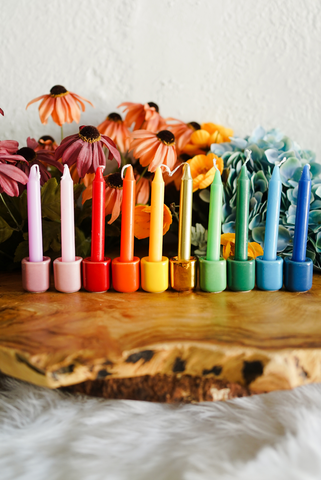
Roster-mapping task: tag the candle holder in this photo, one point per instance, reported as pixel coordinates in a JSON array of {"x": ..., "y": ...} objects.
[
  {"x": 36, "y": 275},
  {"x": 241, "y": 274},
  {"x": 212, "y": 275},
  {"x": 183, "y": 274},
  {"x": 96, "y": 275},
  {"x": 154, "y": 275},
  {"x": 298, "y": 275},
  {"x": 67, "y": 275},
  {"x": 269, "y": 273},
  {"x": 125, "y": 275}
]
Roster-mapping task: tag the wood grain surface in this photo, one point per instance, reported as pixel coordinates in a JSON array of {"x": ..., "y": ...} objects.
[{"x": 197, "y": 345}]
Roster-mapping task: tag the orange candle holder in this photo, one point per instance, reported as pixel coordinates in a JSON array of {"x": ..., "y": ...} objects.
[{"x": 125, "y": 275}]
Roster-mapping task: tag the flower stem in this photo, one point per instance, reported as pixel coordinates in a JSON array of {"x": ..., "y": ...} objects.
[
  {"x": 9, "y": 211},
  {"x": 142, "y": 174},
  {"x": 62, "y": 132}
]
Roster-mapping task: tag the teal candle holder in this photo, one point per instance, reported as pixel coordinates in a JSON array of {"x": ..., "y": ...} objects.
[
  {"x": 298, "y": 275},
  {"x": 269, "y": 273},
  {"x": 241, "y": 274},
  {"x": 213, "y": 277}
]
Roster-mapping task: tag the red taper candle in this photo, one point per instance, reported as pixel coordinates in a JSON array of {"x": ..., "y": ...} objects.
[
  {"x": 96, "y": 269},
  {"x": 125, "y": 269},
  {"x": 98, "y": 217}
]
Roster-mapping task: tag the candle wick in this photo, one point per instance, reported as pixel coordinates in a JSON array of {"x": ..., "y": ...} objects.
[
  {"x": 283, "y": 160},
  {"x": 171, "y": 172},
  {"x": 248, "y": 154},
  {"x": 123, "y": 169},
  {"x": 215, "y": 166}
]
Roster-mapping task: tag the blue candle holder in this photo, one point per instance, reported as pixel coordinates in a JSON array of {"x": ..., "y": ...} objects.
[
  {"x": 269, "y": 273},
  {"x": 298, "y": 275}
]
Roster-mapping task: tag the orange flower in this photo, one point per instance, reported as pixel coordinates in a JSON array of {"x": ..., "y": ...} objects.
[
  {"x": 142, "y": 221},
  {"x": 113, "y": 195},
  {"x": 143, "y": 187},
  {"x": 203, "y": 170},
  {"x": 144, "y": 117},
  {"x": 115, "y": 128},
  {"x": 63, "y": 106},
  {"x": 218, "y": 133},
  {"x": 228, "y": 242},
  {"x": 154, "y": 149},
  {"x": 182, "y": 131}
]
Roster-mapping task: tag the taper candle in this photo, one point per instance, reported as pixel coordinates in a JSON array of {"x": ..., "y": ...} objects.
[
  {"x": 213, "y": 251},
  {"x": 242, "y": 215},
  {"x": 98, "y": 217},
  {"x": 156, "y": 218},
  {"x": 185, "y": 215},
  {"x": 67, "y": 217},
  {"x": 127, "y": 218},
  {"x": 34, "y": 216},
  {"x": 272, "y": 216},
  {"x": 302, "y": 216}
]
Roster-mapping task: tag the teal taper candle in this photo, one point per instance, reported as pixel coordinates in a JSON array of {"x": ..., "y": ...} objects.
[{"x": 215, "y": 219}]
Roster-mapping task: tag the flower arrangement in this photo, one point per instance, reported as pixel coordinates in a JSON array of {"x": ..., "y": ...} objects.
[{"x": 146, "y": 140}]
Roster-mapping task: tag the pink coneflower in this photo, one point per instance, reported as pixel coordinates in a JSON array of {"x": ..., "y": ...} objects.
[
  {"x": 10, "y": 178},
  {"x": 46, "y": 142},
  {"x": 143, "y": 184},
  {"x": 182, "y": 131},
  {"x": 63, "y": 106},
  {"x": 144, "y": 117},
  {"x": 154, "y": 149},
  {"x": 42, "y": 158},
  {"x": 2, "y": 112},
  {"x": 113, "y": 195},
  {"x": 86, "y": 149},
  {"x": 115, "y": 128},
  {"x": 8, "y": 146}
]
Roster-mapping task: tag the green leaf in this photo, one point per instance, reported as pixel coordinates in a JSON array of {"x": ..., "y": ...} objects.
[
  {"x": 5, "y": 230},
  {"x": 22, "y": 251},
  {"x": 51, "y": 235},
  {"x": 50, "y": 200},
  {"x": 288, "y": 169},
  {"x": 23, "y": 205},
  {"x": 78, "y": 189},
  {"x": 83, "y": 244}
]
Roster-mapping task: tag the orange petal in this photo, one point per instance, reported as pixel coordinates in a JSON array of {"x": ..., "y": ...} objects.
[
  {"x": 227, "y": 250},
  {"x": 227, "y": 237},
  {"x": 254, "y": 249},
  {"x": 200, "y": 138}
]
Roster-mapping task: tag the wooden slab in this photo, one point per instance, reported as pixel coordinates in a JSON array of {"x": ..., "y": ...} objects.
[{"x": 163, "y": 347}]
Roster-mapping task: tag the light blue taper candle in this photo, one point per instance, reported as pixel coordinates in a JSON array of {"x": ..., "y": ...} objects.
[{"x": 273, "y": 216}]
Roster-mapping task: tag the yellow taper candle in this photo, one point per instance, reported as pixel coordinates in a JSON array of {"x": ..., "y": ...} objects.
[{"x": 156, "y": 218}]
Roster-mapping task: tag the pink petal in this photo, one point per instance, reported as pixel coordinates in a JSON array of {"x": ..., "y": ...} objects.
[
  {"x": 32, "y": 143},
  {"x": 10, "y": 145},
  {"x": 84, "y": 160}
]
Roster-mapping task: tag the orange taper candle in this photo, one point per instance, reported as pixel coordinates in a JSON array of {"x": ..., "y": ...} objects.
[{"x": 127, "y": 219}]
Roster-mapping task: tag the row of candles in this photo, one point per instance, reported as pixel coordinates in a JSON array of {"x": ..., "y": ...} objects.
[{"x": 155, "y": 272}]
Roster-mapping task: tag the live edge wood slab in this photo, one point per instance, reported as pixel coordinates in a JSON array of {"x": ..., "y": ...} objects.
[{"x": 161, "y": 347}]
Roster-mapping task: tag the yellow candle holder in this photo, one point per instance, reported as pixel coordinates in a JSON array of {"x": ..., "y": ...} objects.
[
  {"x": 154, "y": 275},
  {"x": 183, "y": 274}
]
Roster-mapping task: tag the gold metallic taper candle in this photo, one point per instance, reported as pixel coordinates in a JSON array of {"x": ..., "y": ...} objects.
[
  {"x": 183, "y": 267},
  {"x": 185, "y": 215}
]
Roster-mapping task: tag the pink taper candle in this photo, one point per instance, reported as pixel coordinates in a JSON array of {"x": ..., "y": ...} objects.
[
  {"x": 67, "y": 217},
  {"x": 34, "y": 216}
]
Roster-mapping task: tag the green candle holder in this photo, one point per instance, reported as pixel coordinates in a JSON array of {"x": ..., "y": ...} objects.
[
  {"x": 241, "y": 274},
  {"x": 212, "y": 275}
]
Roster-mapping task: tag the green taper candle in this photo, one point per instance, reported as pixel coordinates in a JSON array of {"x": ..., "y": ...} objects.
[
  {"x": 213, "y": 268},
  {"x": 242, "y": 215},
  {"x": 241, "y": 267},
  {"x": 215, "y": 219}
]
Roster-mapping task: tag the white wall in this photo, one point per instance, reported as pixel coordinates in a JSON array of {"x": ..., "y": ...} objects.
[{"x": 235, "y": 62}]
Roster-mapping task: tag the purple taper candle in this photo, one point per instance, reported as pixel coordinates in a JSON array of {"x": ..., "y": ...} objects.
[{"x": 34, "y": 216}]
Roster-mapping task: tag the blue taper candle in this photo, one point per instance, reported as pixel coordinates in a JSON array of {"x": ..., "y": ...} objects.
[
  {"x": 302, "y": 216},
  {"x": 272, "y": 216}
]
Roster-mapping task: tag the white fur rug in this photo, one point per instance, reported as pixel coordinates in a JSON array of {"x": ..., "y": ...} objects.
[{"x": 48, "y": 435}]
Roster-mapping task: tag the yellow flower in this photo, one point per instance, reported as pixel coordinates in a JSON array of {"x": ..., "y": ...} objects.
[
  {"x": 217, "y": 133},
  {"x": 142, "y": 221},
  {"x": 228, "y": 242},
  {"x": 203, "y": 170}
]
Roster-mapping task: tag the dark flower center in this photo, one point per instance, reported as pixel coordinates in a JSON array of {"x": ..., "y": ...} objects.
[
  {"x": 58, "y": 91},
  {"x": 140, "y": 169},
  {"x": 89, "y": 134},
  {"x": 46, "y": 138},
  {"x": 166, "y": 137},
  {"x": 194, "y": 125},
  {"x": 28, "y": 153},
  {"x": 152, "y": 104},
  {"x": 184, "y": 157},
  {"x": 114, "y": 180},
  {"x": 114, "y": 117}
]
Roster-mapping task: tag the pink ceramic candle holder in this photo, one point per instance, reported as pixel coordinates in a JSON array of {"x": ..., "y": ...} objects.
[
  {"x": 67, "y": 275},
  {"x": 36, "y": 275}
]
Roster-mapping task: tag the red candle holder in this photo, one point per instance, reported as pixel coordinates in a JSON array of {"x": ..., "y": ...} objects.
[{"x": 96, "y": 275}]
